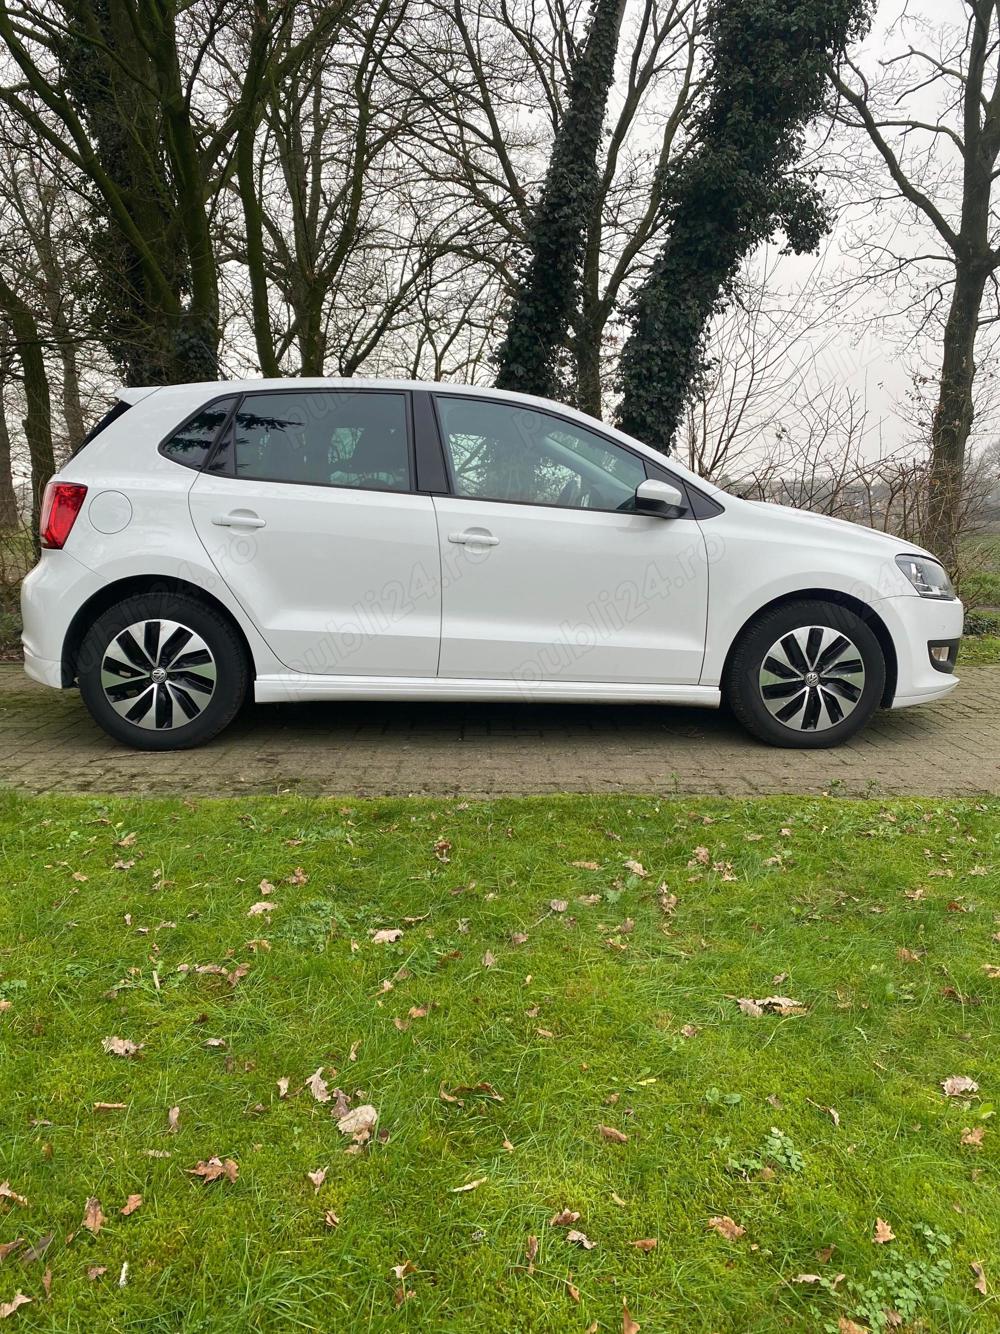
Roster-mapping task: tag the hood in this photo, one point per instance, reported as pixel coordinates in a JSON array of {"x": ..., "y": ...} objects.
[{"x": 838, "y": 532}]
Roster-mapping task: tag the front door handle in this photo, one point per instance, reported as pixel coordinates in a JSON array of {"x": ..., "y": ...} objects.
[
  {"x": 239, "y": 519},
  {"x": 474, "y": 537}
]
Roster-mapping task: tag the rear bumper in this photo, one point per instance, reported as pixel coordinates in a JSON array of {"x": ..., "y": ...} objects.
[
  {"x": 915, "y": 623},
  {"x": 51, "y": 595}
]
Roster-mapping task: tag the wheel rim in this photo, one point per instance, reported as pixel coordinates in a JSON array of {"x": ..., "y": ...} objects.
[
  {"x": 812, "y": 678},
  {"x": 158, "y": 674}
]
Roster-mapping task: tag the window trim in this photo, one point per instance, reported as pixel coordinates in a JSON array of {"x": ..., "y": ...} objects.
[
  {"x": 214, "y": 444},
  {"x": 231, "y": 472},
  {"x": 646, "y": 464}
]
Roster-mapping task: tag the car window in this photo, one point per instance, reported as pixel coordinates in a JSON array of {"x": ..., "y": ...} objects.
[
  {"x": 502, "y": 451},
  {"x": 324, "y": 438},
  {"x": 191, "y": 443}
]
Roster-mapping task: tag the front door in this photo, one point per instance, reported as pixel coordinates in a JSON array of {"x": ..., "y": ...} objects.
[
  {"x": 309, "y": 516},
  {"x": 562, "y": 580}
]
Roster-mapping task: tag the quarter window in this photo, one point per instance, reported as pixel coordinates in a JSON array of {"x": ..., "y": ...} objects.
[
  {"x": 502, "y": 451},
  {"x": 325, "y": 438},
  {"x": 192, "y": 443}
]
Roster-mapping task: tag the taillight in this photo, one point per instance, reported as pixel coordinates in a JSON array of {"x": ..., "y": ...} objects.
[{"x": 60, "y": 506}]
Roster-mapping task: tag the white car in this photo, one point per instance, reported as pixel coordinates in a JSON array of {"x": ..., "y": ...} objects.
[{"x": 347, "y": 539}]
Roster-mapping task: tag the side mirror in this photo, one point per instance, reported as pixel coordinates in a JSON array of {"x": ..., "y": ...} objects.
[{"x": 655, "y": 497}]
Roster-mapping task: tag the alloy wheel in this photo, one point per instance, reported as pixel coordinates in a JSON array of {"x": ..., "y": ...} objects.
[
  {"x": 812, "y": 678},
  {"x": 158, "y": 674}
]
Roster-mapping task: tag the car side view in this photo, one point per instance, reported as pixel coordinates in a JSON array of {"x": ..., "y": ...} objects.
[{"x": 289, "y": 540}]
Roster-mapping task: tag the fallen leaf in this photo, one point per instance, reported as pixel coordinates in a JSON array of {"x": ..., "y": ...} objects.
[
  {"x": 489, "y": 959},
  {"x": 47, "y": 1282},
  {"x": 131, "y": 1204},
  {"x": 317, "y": 1086},
  {"x": 8, "y": 1308},
  {"x": 93, "y": 1217},
  {"x": 283, "y": 1083},
  {"x": 725, "y": 1227},
  {"x": 317, "y": 1178},
  {"x": 580, "y": 1239},
  {"x": 258, "y": 909},
  {"x": 564, "y": 1218},
  {"x": 808, "y": 1278},
  {"x": 907, "y": 956},
  {"x": 831, "y": 1112},
  {"x": 265, "y": 887},
  {"x": 330, "y": 1219},
  {"x": 405, "y": 1269},
  {"x": 298, "y": 877},
  {"x": 636, "y": 868},
  {"x": 360, "y": 1123},
  {"x": 121, "y": 1046},
  {"x": 586, "y": 866},
  {"x": 645, "y": 1244},
  {"x": 845, "y": 1326},
  {"x": 472, "y": 1185},
  {"x": 991, "y": 970},
  {"x": 531, "y": 1252},
  {"x": 883, "y": 1232},
  {"x": 95, "y": 1271},
  {"x": 518, "y": 938},
  {"x": 957, "y": 1085},
  {"x": 173, "y": 1120},
  {"x": 973, "y": 1136},
  {"x": 441, "y": 849},
  {"x": 980, "y": 1283},
  {"x": 387, "y": 936},
  {"x": 9, "y": 1247},
  {"x": 783, "y": 1005},
  {"x": 214, "y": 1169},
  {"x": 615, "y": 1136},
  {"x": 217, "y": 1043},
  {"x": 629, "y": 1324},
  {"x": 558, "y": 905}
]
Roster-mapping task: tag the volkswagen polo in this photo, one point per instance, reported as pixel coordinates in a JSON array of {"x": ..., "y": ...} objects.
[{"x": 290, "y": 540}]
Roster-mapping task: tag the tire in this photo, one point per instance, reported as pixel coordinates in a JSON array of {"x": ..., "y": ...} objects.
[
  {"x": 206, "y": 675},
  {"x": 775, "y": 690}
]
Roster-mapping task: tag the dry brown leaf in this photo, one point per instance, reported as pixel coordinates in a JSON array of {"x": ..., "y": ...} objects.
[
  {"x": 214, "y": 1169},
  {"x": 359, "y": 1123},
  {"x": 317, "y": 1086},
  {"x": 173, "y": 1120},
  {"x": 298, "y": 877},
  {"x": 259, "y": 909},
  {"x": 9, "y": 1247},
  {"x": 283, "y": 1083},
  {"x": 645, "y": 1244},
  {"x": 783, "y": 1005},
  {"x": 845, "y": 1326},
  {"x": 472, "y": 1185},
  {"x": 690, "y": 1031},
  {"x": 110, "y": 1106},
  {"x": 580, "y": 1239},
  {"x": 387, "y": 936},
  {"x": 93, "y": 1216},
  {"x": 615, "y": 1136},
  {"x": 405, "y": 1269},
  {"x": 980, "y": 1283},
  {"x": 956, "y": 1086},
  {"x": 95, "y": 1271},
  {"x": 489, "y": 959},
  {"x": 217, "y": 1043},
  {"x": 991, "y": 970},
  {"x": 636, "y": 868},
  {"x": 808, "y": 1278},
  {"x": 317, "y": 1178},
  {"x": 558, "y": 905},
  {"x": 629, "y": 1324},
  {"x": 518, "y": 938},
  {"x": 442, "y": 848},
  {"x": 564, "y": 1218},
  {"x": 331, "y": 1220},
  {"x": 907, "y": 956},
  {"x": 725, "y": 1227},
  {"x": 973, "y": 1136},
  {"x": 531, "y": 1251},
  {"x": 121, "y": 1046},
  {"x": 47, "y": 1282},
  {"x": 265, "y": 887},
  {"x": 586, "y": 866},
  {"x": 831, "y": 1112},
  {"x": 131, "y": 1204},
  {"x": 883, "y": 1232}
]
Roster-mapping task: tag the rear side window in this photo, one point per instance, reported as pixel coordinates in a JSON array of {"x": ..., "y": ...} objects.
[
  {"x": 322, "y": 438},
  {"x": 192, "y": 443},
  {"x": 110, "y": 416}
]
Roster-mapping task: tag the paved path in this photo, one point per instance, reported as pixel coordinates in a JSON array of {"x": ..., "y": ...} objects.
[{"x": 48, "y": 743}]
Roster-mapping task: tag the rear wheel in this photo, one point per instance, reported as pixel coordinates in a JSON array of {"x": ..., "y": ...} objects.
[
  {"x": 805, "y": 675},
  {"x": 160, "y": 671}
]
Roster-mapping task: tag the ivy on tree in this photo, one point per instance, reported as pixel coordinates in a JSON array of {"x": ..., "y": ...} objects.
[{"x": 739, "y": 184}]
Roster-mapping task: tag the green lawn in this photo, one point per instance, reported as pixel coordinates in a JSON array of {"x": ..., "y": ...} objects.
[{"x": 540, "y": 987}]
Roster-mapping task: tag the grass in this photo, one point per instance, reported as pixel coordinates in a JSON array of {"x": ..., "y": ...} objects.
[
  {"x": 618, "y": 1009},
  {"x": 979, "y": 650}
]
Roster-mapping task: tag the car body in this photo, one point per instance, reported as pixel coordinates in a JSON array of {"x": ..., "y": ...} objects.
[{"x": 402, "y": 540}]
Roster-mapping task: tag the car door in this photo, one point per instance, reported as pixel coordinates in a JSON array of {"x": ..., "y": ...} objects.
[
  {"x": 308, "y": 512},
  {"x": 561, "y": 579}
]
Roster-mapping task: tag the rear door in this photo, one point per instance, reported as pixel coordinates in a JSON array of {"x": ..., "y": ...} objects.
[{"x": 308, "y": 512}]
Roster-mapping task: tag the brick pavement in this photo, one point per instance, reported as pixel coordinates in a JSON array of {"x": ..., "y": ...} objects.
[{"x": 48, "y": 743}]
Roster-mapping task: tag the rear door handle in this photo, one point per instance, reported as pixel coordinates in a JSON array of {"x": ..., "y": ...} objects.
[
  {"x": 474, "y": 537},
  {"x": 239, "y": 519}
]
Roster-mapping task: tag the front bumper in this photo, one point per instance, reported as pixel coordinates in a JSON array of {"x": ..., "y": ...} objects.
[{"x": 915, "y": 623}]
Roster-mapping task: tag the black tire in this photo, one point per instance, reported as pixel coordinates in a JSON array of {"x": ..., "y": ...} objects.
[
  {"x": 758, "y": 685},
  {"x": 188, "y": 705}
]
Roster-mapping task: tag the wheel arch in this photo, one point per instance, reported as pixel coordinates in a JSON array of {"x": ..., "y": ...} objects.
[
  {"x": 861, "y": 609},
  {"x": 133, "y": 586}
]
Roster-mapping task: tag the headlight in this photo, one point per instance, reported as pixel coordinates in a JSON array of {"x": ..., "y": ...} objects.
[{"x": 928, "y": 577}]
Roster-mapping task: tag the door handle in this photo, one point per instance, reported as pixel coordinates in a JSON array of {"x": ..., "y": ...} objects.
[
  {"x": 474, "y": 537},
  {"x": 239, "y": 519}
]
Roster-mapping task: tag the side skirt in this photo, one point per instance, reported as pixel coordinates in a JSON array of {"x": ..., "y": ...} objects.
[{"x": 299, "y": 687}]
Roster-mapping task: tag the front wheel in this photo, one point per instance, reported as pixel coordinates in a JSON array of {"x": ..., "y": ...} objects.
[
  {"x": 805, "y": 675},
  {"x": 161, "y": 671}
]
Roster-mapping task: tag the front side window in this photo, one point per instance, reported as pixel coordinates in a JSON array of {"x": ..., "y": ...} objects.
[
  {"x": 323, "y": 438},
  {"x": 502, "y": 451},
  {"x": 192, "y": 443}
]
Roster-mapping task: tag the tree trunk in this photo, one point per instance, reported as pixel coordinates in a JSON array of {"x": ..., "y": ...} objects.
[
  {"x": 38, "y": 415},
  {"x": 954, "y": 413},
  {"x": 587, "y": 351},
  {"x": 9, "y": 516}
]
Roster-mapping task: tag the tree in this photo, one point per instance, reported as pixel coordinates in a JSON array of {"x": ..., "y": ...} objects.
[
  {"x": 941, "y": 166},
  {"x": 737, "y": 186},
  {"x": 546, "y": 296}
]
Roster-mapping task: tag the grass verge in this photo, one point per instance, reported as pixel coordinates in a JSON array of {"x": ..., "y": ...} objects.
[{"x": 551, "y": 967}]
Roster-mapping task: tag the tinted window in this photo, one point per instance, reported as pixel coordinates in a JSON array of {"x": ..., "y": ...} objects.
[
  {"x": 191, "y": 444},
  {"x": 326, "y": 438},
  {"x": 501, "y": 451}
]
